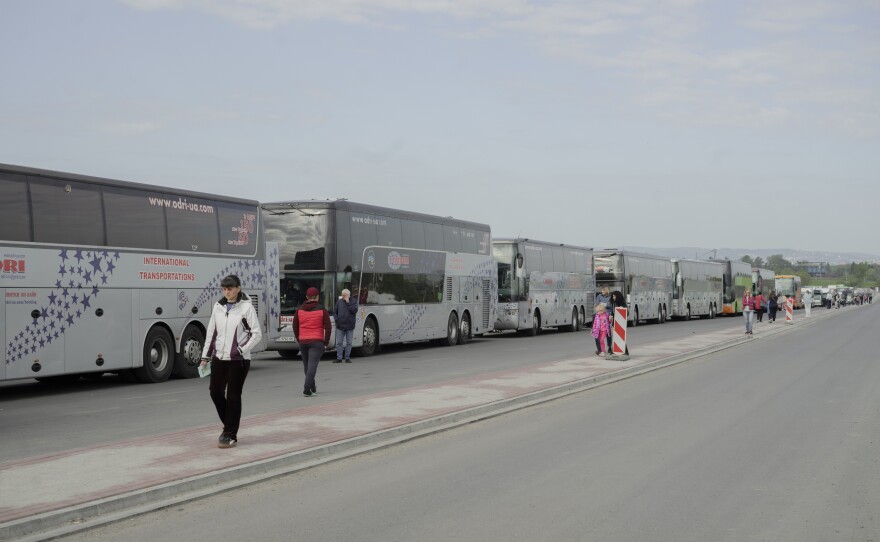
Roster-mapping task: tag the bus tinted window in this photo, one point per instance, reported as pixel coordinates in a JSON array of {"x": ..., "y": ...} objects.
[
  {"x": 67, "y": 212},
  {"x": 132, "y": 221},
  {"x": 469, "y": 242},
  {"x": 343, "y": 242},
  {"x": 192, "y": 224},
  {"x": 388, "y": 232},
  {"x": 15, "y": 213},
  {"x": 434, "y": 236},
  {"x": 413, "y": 234},
  {"x": 363, "y": 234},
  {"x": 452, "y": 239},
  {"x": 238, "y": 229}
]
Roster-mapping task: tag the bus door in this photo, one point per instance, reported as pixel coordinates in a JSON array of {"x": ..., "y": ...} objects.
[{"x": 36, "y": 323}]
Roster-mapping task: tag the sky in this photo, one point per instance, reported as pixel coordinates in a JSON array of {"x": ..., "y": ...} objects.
[{"x": 652, "y": 123}]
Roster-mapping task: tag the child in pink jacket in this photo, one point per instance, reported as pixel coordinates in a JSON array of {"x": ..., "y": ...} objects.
[{"x": 601, "y": 328}]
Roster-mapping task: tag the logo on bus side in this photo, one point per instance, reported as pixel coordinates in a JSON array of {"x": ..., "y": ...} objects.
[
  {"x": 396, "y": 261},
  {"x": 371, "y": 259},
  {"x": 13, "y": 267}
]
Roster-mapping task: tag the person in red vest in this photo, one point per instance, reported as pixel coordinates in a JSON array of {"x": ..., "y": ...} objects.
[{"x": 311, "y": 327}]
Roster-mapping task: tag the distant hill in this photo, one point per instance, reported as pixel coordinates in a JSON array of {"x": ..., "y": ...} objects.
[{"x": 792, "y": 255}]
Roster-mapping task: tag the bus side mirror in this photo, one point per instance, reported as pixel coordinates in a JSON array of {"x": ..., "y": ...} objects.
[{"x": 519, "y": 261}]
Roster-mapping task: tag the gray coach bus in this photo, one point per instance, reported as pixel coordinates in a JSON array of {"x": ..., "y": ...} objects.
[
  {"x": 543, "y": 285},
  {"x": 645, "y": 281},
  {"x": 415, "y": 276},
  {"x": 698, "y": 288},
  {"x": 102, "y": 276}
]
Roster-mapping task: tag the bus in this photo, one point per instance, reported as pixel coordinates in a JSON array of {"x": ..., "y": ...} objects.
[
  {"x": 763, "y": 281},
  {"x": 100, "y": 275},
  {"x": 737, "y": 279},
  {"x": 698, "y": 288},
  {"x": 543, "y": 285},
  {"x": 644, "y": 280},
  {"x": 415, "y": 276},
  {"x": 790, "y": 286}
]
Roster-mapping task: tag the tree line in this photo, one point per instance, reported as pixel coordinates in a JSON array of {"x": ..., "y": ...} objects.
[{"x": 857, "y": 275}]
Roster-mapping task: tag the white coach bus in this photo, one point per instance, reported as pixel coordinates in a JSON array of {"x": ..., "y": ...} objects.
[
  {"x": 543, "y": 285},
  {"x": 109, "y": 276},
  {"x": 698, "y": 288},
  {"x": 645, "y": 281},
  {"x": 415, "y": 276}
]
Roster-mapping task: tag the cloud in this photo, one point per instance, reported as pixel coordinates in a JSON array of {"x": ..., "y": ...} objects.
[{"x": 767, "y": 51}]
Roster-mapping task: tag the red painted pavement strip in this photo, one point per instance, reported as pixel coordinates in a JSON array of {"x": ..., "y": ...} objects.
[{"x": 40, "y": 484}]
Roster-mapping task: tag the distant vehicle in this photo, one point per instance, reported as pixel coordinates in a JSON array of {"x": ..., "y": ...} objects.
[
  {"x": 790, "y": 287},
  {"x": 644, "y": 280},
  {"x": 818, "y": 300},
  {"x": 737, "y": 279},
  {"x": 698, "y": 288},
  {"x": 763, "y": 281},
  {"x": 543, "y": 285}
]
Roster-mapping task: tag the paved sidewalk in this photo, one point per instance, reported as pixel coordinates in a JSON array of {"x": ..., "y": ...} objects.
[{"x": 63, "y": 492}]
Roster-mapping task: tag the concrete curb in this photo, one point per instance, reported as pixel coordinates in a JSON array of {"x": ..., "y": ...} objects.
[{"x": 93, "y": 514}]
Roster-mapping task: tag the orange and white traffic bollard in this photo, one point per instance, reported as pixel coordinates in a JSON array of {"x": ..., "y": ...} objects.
[
  {"x": 789, "y": 309},
  {"x": 618, "y": 335}
]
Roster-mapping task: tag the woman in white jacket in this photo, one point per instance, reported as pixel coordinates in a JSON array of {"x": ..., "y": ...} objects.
[{"x": 232, "y": 332}]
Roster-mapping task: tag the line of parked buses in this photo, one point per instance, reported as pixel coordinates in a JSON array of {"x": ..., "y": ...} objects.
[{"x": 99, "y": 275}]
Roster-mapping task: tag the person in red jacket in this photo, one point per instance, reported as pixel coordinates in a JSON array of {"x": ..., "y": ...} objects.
[{"x": 311, "y": 327}]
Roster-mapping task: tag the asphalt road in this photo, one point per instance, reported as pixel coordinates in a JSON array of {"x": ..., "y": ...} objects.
[
  {"x": 776, "y": 439},
  {"x": 48, "y": 418}
]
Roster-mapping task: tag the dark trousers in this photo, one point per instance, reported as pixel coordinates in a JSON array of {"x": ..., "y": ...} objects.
[
  {"x": 227, "y": 381},
  {"x": 311, "y": 354},
  {"x": 760, "y": 314}
]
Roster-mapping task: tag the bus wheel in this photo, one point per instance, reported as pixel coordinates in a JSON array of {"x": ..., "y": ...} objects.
[
  {"x": 711, "y": 312},
  {"x": 464, "y": 331},
  {"x": 451, "y": 331},
  {"x": 688, "y": 317},
  {"x": 371, "y": 339},
  {"x": 190, "y": 356},
  {"x": 574, "y": 320},
  {"x": 635, "y": 322},
  {"x": 158, "y": 357}
]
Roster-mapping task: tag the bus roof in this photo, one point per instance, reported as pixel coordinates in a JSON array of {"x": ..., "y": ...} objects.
[
  {"x": 535, "y": 241},
  {"x": 24, "y": 170},
  {"x": 345, "y": 205}
]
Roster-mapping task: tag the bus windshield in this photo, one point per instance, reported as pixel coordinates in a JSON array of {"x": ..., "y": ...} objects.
[
  {"x": 302, "y": 238},
  {"x": 505, "y": 255},
  {"x": 609, "y": 268}
]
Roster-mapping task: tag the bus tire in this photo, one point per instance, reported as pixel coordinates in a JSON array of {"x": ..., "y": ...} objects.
[
  {"x": 370, "y": 345},
  {"x": 451, "y": 331},
  {"x": 464, "y": 330},
  {"x": 288, "y": 354},
  {"x": 688, "y": 316},
  {"x": 186, "y": 364},
  {"x": 574, "y": 320},
  {"x": 582, "y": 318},
  {"x": 711, "y": 312},
  {"x": 158, "y": 357},
  {"x": 635, "y": 322}
]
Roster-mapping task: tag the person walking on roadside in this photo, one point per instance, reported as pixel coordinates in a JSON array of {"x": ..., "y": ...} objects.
[
  {"x": 748, "y": 310},
  {"x": 345, "y": 315},
  {"x": 233, "y": 331},
  {"x": 600, "y": 329},
  {"x": 311, "y": 328},
  {"x": 604, "y": 297},
  {"x": 773, "y": 306},
  {"x": 760, "y": 305},
  {"x": 808, "y": 302}
]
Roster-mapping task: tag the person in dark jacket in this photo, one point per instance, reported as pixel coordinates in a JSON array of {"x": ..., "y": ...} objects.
[
  {"x": 312, "y": 328},
  {"x": 345, "y": 315}
]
